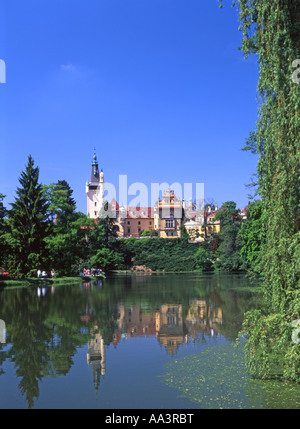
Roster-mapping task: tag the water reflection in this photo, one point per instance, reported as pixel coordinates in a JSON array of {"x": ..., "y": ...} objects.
[
  {"x": 90, "y": 285},
  {"x": 96, "y": 356},
  {"x": 168, "y": 324},
  {"x": 46, "y": 326}
]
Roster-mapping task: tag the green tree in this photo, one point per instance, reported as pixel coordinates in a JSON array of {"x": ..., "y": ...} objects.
[
  {"x": 228, "y": 256},
  {"x": 69, "y": 248},
  {"x": 103, "y": 245},
  {"x": 271, "y": 31},
  {"x": 3, "y": 211},
  {"x": 61, "y": 203},
  {"x": 228, "y": 213},
  {"x": 67, "y": 243},
  {"x": 251, "y": 234},
  {"x": 184, "y": 234},
  {"x": 204, "y": 259},
  {"x": 101, "y": 233},
  {"x": 148, "y": 233},
  {"x": 104, "y": 259},
  {"x": 28, "y": 223}
]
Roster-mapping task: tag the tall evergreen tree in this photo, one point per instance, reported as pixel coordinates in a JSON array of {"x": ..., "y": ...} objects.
[
  {"x": 28, "y": 223},
  {"x": 63, "y": 185},
  {"x": 3, "y": 210}
]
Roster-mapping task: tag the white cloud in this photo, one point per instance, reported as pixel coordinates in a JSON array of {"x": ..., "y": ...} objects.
[{"x": 68, "y": 67}]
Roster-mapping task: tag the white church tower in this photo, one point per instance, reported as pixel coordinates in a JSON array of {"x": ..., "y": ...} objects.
[{"x": 95, "y": 190}]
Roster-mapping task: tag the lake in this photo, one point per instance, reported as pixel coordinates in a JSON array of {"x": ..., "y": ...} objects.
[{"x": 160, "y": 341}]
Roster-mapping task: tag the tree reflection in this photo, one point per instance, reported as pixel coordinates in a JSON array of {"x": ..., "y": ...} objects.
[
  {"x": 45, "y": 328},
  {"x": 43, "y": 335}
]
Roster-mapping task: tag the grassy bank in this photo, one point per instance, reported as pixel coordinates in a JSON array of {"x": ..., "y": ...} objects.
[
  {"x": 26, "y": 282},
  {"x": 38, "y": 282}
]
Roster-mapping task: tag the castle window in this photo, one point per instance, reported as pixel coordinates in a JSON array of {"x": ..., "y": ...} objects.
[
  {"x": 95, "y": 213},
  {"x": 128, "y": 222},
  {"x": 95, "y": 204},
  {"x": 128, "y": 230},
  {"x": 139, "y": 222},
  {"x": 150, "y": 222},
  {"x": 169, "y": 224}
]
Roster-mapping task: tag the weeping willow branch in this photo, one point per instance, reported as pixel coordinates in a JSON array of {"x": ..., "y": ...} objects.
[{"x": 271, "y": 31}]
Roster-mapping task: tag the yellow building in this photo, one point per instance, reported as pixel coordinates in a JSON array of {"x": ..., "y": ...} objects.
[
  {"x": 168, "y": 215},
  {"x": 199, "y": 230},
  {"x": 211, "y": 226}
]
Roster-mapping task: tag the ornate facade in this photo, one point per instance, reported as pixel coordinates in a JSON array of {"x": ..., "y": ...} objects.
[{"x": 164, "y": 219}]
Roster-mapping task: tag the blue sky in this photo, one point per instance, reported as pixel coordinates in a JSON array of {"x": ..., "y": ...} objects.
[{"x": 158, "y": 87}]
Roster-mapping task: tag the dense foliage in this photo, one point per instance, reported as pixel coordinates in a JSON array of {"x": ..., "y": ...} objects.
[
  {"x": 44, "y": 231},
  {"x": 271, "y": 31},
  {"x": 252, "y": 237},
  {"x": 159, "y": 254},
  {"x": 228, "y": 253}
]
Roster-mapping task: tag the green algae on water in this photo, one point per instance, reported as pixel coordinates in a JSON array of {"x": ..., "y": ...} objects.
[{"x": 218, "y": 378}]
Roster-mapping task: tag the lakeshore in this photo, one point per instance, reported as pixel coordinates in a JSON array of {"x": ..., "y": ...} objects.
[{"x": 27, "y": 282}]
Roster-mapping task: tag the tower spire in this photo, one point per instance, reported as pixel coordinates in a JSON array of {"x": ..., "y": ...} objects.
[{"x": 95, "y": 169}]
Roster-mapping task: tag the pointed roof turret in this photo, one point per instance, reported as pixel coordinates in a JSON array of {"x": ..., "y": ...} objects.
[{"x": 94, "y": 170}]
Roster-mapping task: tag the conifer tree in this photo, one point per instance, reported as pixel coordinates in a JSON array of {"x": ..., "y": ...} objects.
[{"x": 28, "y": 223}]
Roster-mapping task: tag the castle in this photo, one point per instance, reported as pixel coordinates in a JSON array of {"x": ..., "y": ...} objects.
[{"x": 165, "y": 219}]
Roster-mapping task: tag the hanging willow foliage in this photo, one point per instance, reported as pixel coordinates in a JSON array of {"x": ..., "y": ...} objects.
[{"x": 271, "y": 31}]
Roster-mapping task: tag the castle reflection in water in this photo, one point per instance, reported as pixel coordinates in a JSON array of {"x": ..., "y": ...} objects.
[{"x": 168, "y": 325}]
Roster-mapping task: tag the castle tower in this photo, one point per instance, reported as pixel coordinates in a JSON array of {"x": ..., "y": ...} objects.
[{"x": 95, "y": 190}]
